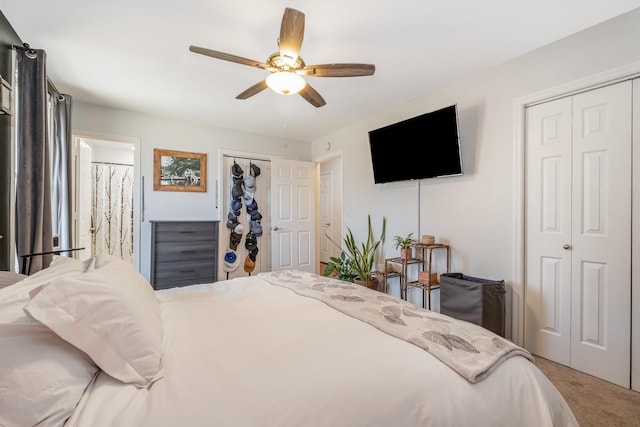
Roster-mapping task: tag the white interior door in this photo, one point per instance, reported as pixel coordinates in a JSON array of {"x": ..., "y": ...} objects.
[
  {"x": 293, "y": 215},
  {"x": 548, "y": 286},
  {"x": 326, "y": 207},
  {"x": 83, "y": 231},
  {"x": 330, "y": 207},
  {"x": 578, "y": 232},
  {"x": 601, "y": 236},
  {"x": 262, "y": 198}
]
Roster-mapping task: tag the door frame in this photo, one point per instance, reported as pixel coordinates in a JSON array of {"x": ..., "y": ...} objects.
[
  {"x": 220, "y": 194},
  {"x": 605, "y": 78},
  {"x": 138, "y": 192},
  {"x": 221, "y": 205},
  {"x": 319, "y": 160}
]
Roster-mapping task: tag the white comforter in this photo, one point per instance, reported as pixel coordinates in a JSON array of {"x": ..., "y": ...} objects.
[{"x": 246, "y": 353}]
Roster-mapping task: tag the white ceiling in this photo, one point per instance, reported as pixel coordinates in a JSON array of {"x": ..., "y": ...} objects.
[{"x": 133, "y": 54}]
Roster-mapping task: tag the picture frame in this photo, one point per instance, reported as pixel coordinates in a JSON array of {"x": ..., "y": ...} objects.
[
  {"x": 5, "y": 97},
  {"x": 179, "y": 171}
]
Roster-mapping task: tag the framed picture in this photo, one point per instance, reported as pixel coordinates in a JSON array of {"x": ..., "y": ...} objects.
[
  {"x": 5, "y": 96},
  {"x": 179, "y": 171}
]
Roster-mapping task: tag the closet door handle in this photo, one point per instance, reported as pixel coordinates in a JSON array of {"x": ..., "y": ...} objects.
[{"x": 565, "y": 246}]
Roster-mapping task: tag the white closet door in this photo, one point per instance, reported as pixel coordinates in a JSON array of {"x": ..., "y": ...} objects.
[
  {"x": 601, "y": 254},
  {"x": 579, "y": 232},
  {"x": 548, "y": 284}
]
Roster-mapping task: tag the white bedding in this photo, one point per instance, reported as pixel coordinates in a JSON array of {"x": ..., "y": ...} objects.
[{"x": 244, "y": 352}]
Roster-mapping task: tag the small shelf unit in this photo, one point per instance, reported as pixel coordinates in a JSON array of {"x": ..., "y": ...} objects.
[{"x": 422, "y": 255}]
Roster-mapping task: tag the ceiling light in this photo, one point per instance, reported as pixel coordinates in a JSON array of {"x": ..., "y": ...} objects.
[
  {"x": 289, "y": 58},
  {"x": 285, "y": 82}
]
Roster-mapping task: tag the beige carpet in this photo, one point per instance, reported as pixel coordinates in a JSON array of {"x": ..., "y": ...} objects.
[{"x": 594, "y": 402}]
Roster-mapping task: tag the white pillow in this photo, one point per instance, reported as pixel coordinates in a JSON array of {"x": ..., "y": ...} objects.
[
  {"x": 42, "y": 377},
  {"x": 12, "y": 296},
  {"x": 9, "y": 278},
  {"x": 110, "y": 313}
]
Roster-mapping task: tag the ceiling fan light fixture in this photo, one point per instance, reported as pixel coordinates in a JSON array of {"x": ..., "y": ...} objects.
[
  {"x": 287, "y": 67},
  {"x": 286, "y": 82},
  {"x": 289, "y": 58}
]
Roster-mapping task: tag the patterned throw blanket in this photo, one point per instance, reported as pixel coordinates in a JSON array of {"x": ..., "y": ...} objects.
[{"x": 468, "y": 349}]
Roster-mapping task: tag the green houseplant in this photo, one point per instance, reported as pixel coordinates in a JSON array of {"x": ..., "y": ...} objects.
[
  {"x": 340, "y": 267},
  {"x": 403, "y": 243},
  {"x": 362, "y": 255}
]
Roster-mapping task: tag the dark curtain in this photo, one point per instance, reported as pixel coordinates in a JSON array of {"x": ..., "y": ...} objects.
[
  {"x": 33, "y": 186},
  {"x": 61, "y": 168}
]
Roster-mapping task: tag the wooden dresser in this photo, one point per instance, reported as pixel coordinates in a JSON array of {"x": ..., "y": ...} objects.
[{"x": 183, "y": 253}]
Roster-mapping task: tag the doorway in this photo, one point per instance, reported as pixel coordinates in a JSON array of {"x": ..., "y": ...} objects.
[
  {"x": 252, "y": 211},
  {"x": 283, "y": 195},
  {"x": 330, "y": 201},
  {"x": 106, "y": 217}
]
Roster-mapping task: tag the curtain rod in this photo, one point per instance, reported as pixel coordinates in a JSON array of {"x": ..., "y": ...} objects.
[{"x": 25, "y": 47}]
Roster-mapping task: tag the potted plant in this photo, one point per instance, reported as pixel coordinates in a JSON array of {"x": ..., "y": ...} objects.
[
  {"x": 362, "y": 255},
  {"x": 403, "y": 243},
  {"x": 340, "y": 267}
]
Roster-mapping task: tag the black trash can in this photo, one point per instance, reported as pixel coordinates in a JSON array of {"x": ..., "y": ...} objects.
[{"x": 475, "y": 300}]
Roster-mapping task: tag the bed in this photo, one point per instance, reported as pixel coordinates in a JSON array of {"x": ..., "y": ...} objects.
[{"x": 89, "y": 343}]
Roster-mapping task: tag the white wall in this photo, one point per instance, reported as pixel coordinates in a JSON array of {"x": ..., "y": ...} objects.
[
  {"x": 159, "y": 132},
  {"x": 475, "y": 213},
  {"x": 122, "y": 155}
]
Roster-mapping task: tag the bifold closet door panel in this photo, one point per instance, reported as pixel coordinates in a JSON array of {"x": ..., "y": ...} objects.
[
  {"x": 578, "y": 231},
  {"x": 548, "y": 213},
  {"x": 601, "y": 233}
]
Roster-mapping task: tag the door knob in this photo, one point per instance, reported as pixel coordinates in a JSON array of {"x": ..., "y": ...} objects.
[
  {"x": 327, "y": 224},
  {"x": 276, "y": 228},
  {"x": 565, "y": 246}
]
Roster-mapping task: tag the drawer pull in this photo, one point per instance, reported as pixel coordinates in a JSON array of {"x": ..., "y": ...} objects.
[
  {"x": 187, "y": 271},
  {"x": 186, "y": 251},
  {"x": 187, "y": 232}
]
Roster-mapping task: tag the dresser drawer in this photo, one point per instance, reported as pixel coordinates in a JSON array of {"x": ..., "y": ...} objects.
[
  {"x": 170, "y": 274},
  {"x": 184, "y": 231},
  {"x": 184, "y": 251}
]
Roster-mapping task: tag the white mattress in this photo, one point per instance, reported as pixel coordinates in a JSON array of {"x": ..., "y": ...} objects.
[{"x": 246, "y": 353}]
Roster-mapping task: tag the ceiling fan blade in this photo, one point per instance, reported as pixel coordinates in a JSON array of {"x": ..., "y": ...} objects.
[
  {"x": 291, "y": 34},
  {"x": 312, "y": 96},
  {"x": 229, "y": 57},
  {"x": 256, "y": 88},
  {"x": 338, "y": 70}
]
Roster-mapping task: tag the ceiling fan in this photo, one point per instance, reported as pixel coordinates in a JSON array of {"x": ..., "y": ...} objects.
[{"x": 286, "y": 65}]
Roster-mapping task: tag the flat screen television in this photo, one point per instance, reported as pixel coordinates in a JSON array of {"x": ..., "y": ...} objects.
[{"x": 425, "y": 146}]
